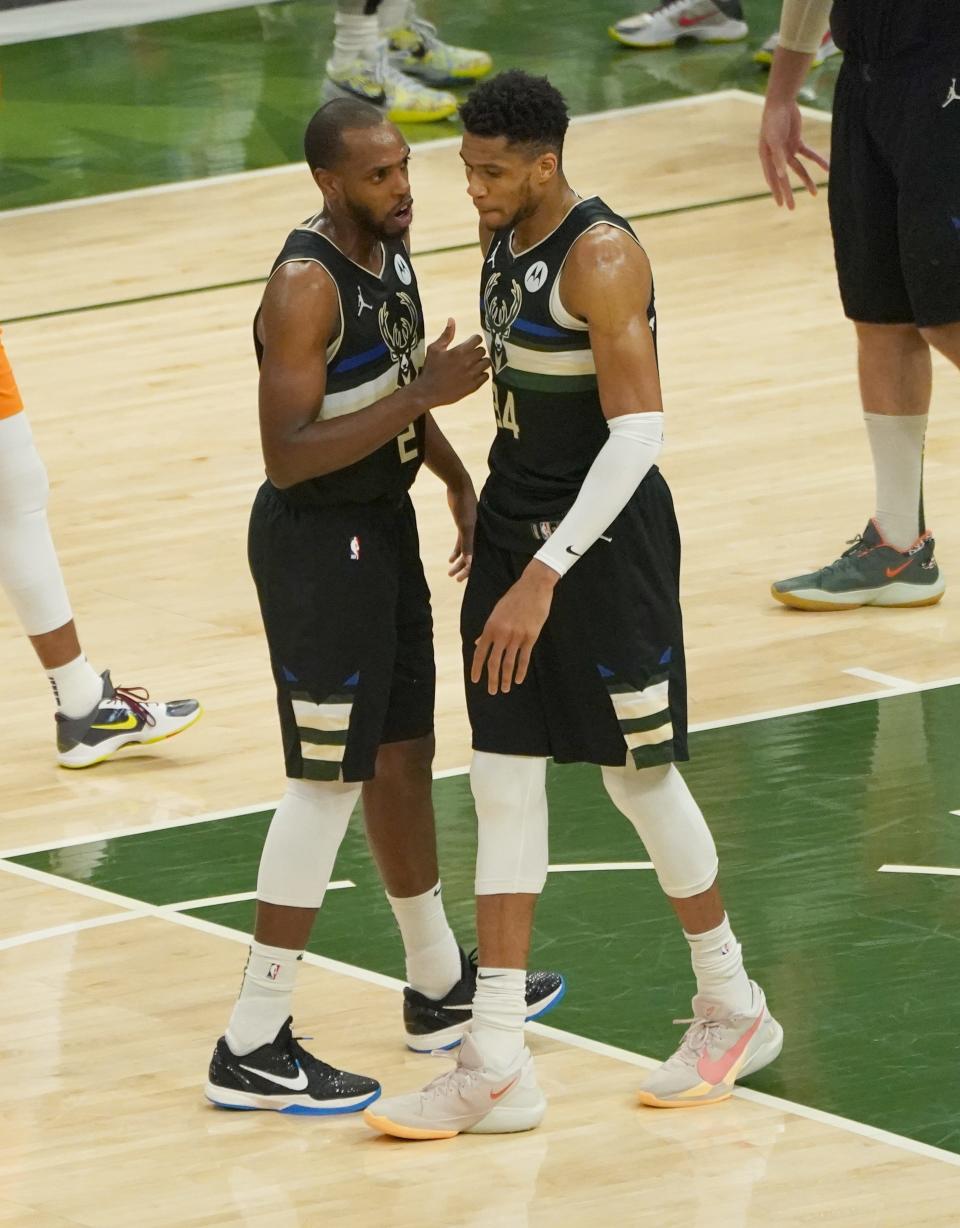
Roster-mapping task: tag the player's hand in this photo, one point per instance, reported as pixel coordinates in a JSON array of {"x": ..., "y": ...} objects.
[
  {"x": 462, "y": 500},
  {"x": 512, "y": 629},
  {"x": 451, "y": 373},
  {"x": 781, "y": 146}
]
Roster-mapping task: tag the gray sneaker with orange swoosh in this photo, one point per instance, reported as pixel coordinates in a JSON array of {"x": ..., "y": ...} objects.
[
  {"x": 470, "y": 1099},
  {"x": 870, "y": 572},
  {"x": 717, "y": 1049}
]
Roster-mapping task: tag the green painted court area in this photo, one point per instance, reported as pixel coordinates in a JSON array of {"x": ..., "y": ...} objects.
[
  {"x": 230, "y": 91},
  {"x": 861, "y": 967}
]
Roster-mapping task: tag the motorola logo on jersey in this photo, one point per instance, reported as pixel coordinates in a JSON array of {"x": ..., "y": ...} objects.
[
  {"x": 402, "y": 269},
  {"x": 399, "y": 320},
  {"x": 535, "y": 276},
  {"x": 500, "y": 315}
]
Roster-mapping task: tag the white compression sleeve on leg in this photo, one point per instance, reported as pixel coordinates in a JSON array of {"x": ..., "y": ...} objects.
[
  {"x": 668, "y": 820},
  {"x": 510, "y": 794},
  {"x": 617, "y": 470},
  {"x": 29, "y": 569},
  {"x": 302, "y": 844}
]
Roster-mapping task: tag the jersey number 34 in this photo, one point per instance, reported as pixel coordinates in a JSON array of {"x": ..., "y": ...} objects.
[{"x": 506, "y": 413}]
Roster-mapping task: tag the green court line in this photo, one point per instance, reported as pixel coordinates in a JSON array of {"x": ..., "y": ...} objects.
[{"x": 420, "y": 255}]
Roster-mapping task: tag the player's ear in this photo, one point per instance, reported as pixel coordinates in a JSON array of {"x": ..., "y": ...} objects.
[
  {"x": 328, "y": 183},
  {"x": 547, "y": 165}
]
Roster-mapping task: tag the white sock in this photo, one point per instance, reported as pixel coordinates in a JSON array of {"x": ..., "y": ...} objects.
[
  {"x": 355, "y": 37},
  {"x": 77, "y": 687},
  {"x": 392, "y": 14},
  {"x": 896, "y": 441},
  {"x": 499, "y": 1011},
  {"x": 718, "y": 967},
  {"x": 433, "y": 957},
  {"x": 265, "y": 996}
]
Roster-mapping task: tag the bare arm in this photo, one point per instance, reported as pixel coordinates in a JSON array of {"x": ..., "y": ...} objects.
[
  {"x": 299, "y": 316},
  {"x": 443, "y": 461}
]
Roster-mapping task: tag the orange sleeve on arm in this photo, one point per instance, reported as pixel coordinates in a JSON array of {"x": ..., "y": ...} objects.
[{"x": 10, "y": 401}]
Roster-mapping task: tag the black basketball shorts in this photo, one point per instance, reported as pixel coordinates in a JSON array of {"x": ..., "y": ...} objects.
[
  {"x": 607, "y": 675},
  {"x": 895, "y": 189},
  {"x": 346, "y": 610}
]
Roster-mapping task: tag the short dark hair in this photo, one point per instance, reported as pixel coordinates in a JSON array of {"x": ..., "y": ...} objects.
[
  {"x": 323, "y": 139},
  {"x": 526, "y": 110}
]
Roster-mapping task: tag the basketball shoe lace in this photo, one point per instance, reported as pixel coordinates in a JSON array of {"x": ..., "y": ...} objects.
[
  {"x": 699, "y": 1036},
  {"x": 135, "y": 698}
]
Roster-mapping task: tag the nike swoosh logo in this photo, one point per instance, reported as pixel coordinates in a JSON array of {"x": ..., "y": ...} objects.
[
  {"x": 438, "y": 890},
  {"x": 716, "y": 1071},
  {"x": 575, "y": 553},
  {"x": 299, "y": 1084},
  {"x": 503, "y": 1090},
  {"x": 128, "y": 722},
  {"x": 890, "y": 572},
  {"x": 488, "y": 976}
]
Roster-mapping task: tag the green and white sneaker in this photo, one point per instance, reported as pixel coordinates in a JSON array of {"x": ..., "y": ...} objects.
[
  {"x": 379, "y": 82},
  {"x": 417, "y": 51},
  {"x": 870, "y": 572},
  {"x": 124, "y": 716},
  {"x": 717, "y": 1049}
]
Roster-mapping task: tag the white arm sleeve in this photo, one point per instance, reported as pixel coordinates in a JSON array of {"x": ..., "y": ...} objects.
[{"x": 618, "y": 469}]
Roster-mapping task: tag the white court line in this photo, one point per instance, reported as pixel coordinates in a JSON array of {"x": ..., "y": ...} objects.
[
  {"x": 288, "y": 168},
  {"x": 573, "y": 867},
  {"x": 898, "y": 1141},
  {"x": 887, "y": 680},
  {"x": 211, "y": 901},
  {"x": 894, "y": 869},
  {"x": 768, "y": 714},
  {"x": 71, "y": 927},
  {"x": 68, "y": 17}
]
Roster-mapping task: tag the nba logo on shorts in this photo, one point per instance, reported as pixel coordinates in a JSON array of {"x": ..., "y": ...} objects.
[
  {"x": 273, "y": 972},
  {"x": 355, "y": 548}
]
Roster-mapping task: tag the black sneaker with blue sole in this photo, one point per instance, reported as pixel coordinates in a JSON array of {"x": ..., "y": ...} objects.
[
  {"x": 283, "y": 1077},
  {"x": 439, "y": 1023}
]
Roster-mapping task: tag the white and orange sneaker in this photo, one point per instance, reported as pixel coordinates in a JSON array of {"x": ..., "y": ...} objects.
[
  {"x": 470, "y": 1099},
  {"x": 715, "y": 1052}
]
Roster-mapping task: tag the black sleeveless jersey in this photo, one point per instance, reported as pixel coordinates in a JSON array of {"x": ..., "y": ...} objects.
[
  {"x": 380, "y": 347},
  {"x": 550, "y": 425},
  {"x": 878, "y": 30}
]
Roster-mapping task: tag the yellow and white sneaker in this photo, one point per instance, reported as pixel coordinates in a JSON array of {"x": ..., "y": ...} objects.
[
  {"x": 470, "y": 1099},
  {"x": 717, "y": 1049},
  {"x": 377, "y": 81},
  {"x": 417, "y": 50},
  {"x": 124, "y": 715}
]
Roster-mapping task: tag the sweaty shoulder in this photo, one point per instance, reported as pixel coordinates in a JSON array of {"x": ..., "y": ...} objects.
[
  {"x": 605, "y": 263},
  {"x": 304, "y": 292}
]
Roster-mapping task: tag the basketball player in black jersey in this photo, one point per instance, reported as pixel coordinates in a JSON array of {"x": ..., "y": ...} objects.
[
  {"x": 572, "y": 635},
  {"x": 346, "y": 393},
  {"x": 895, "y": 215}
]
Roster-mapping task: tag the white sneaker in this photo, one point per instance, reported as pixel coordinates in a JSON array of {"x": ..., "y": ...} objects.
[
  {"x": 678, "y": 19},
  {"x": 124, "y": 716},
  {"x": 377, "y": 81},
  {"x": 716, "y": 1050},
  {"x": 826, "y": 49},
  {"x": 470, "y": 1099}
]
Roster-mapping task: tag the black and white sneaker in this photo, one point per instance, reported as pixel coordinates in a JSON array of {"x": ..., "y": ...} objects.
[
  {"x": 284, "y": 1077},
  {"x": 431, "y": 1024},
  {"x": 123, "y": 716}
]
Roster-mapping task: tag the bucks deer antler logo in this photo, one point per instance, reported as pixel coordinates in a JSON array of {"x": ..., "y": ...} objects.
[
  {"x": 500, "y": 316},
  {"x": 400, "y": 336}
]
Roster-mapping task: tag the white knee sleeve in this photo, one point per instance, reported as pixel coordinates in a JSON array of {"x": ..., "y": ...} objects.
[
  {"x": 29, "y": 570},
  {"x": 511, "y": 798},
  {"x": 669, "y": 822},
  {"x": 301, "y": 846}
]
